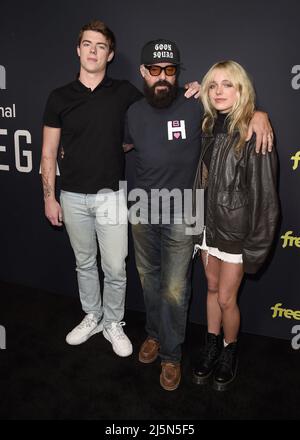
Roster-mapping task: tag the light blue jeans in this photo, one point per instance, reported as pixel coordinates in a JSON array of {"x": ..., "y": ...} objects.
[{"x": 102, "y": 217}]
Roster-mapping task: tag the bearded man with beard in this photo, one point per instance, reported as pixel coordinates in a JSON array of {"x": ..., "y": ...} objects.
[{"x": 164, "y": 128}]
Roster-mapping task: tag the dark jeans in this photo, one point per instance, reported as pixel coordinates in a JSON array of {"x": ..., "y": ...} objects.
[{"x": 163, "y": 257}]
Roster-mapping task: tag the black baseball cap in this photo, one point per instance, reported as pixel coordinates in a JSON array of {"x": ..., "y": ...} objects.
[{"x": 160, "y": 51}]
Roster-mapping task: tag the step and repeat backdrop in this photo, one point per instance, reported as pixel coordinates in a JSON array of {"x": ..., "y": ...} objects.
[{"x": 38, "y": 54}]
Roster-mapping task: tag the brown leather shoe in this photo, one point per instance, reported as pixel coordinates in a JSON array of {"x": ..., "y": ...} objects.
[
  {"x": 170, "y": 375},
  {"x": 149, "y": 351}
]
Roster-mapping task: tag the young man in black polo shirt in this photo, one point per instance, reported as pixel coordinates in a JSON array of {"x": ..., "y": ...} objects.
[
  {"x": 87, "y": 118},
  {"x": 164, "y": 128}
]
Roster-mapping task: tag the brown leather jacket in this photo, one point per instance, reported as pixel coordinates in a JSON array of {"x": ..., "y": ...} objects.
[{"x": 242, "y": 203}]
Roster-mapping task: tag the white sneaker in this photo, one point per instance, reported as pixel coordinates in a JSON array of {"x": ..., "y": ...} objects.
[
  {"x": 120, "y": 342},
  {"x": 88, "y": 327}
]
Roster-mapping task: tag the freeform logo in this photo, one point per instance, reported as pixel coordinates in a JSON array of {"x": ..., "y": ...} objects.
[
  {"x": 289, "y": 240},
  {"x": 176, "y": 130},
  {"x": 296, "y": 79},
  {"x": 2, "y": 78},
  {"x": 296, "y": 159},
  {"x": 280, "y": 312},
  {"x": 2, "y": 338}
]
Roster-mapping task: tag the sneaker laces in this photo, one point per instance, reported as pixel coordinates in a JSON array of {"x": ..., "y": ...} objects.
[
  {"x": 87, "y": 321},
  {"x": 116, "y": 330}
]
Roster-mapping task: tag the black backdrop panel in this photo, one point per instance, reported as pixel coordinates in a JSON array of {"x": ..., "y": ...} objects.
[{"x": 38, "y": 42}]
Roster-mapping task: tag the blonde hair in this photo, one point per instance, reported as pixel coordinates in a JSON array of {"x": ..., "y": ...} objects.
[{"x": 242, "y": 111}]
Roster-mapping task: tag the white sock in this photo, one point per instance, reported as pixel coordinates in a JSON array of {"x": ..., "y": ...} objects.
[{"x": 226, "y": 343}]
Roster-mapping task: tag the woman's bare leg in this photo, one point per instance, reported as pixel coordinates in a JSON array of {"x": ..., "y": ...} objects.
[
  {"x": 212, "y": 272},
  {"x": 230, "y": 277}
]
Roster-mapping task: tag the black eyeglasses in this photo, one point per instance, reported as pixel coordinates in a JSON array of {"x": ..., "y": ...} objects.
[{"x": 156, "y": 70}]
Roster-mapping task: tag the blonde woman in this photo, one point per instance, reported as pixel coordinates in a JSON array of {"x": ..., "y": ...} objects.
[{"x": 241, "y": 212}]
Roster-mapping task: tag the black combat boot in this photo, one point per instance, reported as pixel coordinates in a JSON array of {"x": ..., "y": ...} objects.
[
  {"x": 209, "y": 356},
  {"x": 226, "y": 368}
]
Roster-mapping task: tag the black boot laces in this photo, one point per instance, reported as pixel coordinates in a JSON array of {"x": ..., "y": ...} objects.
[
  {"x": 210, "y": 350},
  {"x": 227, "y": 357}
]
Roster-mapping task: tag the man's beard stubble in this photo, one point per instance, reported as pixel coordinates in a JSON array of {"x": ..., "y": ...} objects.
[{"x": 163, "y": 98}]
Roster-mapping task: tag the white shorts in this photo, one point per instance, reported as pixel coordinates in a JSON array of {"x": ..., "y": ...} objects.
[{"x": 215, "y": 252}]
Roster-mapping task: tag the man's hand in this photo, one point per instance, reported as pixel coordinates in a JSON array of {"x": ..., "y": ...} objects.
[
  {"x": 53, "y": 212},
  {"x": 193, "y": 89},
  {"x": 260, "y": 125}
]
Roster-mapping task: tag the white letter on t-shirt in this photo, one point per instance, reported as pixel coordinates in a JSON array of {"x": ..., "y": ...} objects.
[{"x": 176, "y": 130}]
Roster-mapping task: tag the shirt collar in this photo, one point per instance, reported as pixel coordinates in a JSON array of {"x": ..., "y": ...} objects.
[{"x": 106, "y": 82}]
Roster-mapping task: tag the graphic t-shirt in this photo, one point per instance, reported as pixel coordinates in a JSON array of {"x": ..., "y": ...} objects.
[{"x": 166, "y": 141}]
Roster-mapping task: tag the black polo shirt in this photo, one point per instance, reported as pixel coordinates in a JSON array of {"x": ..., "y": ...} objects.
[{"x": 92, "y": 129}]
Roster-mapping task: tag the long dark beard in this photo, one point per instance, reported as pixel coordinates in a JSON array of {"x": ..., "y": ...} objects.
[{"x": 163, "y": 98}]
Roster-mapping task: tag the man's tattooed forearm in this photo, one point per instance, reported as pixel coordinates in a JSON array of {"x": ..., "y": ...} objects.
[{"x": 48, "y": 190}]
